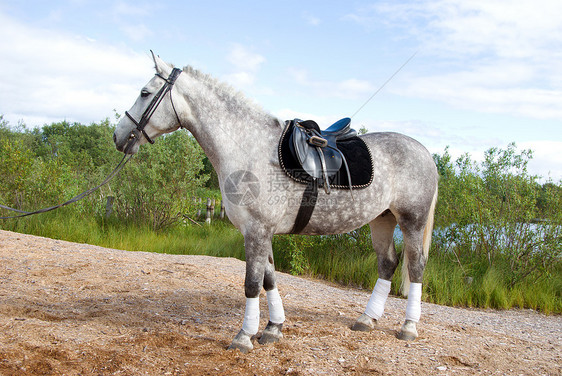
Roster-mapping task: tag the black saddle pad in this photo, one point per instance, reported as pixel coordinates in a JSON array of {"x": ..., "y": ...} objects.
[{"x": 357, "y": 155}]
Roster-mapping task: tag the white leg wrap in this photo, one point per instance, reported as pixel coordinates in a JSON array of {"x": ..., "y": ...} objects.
[
  {"x": 375, "y": 306},
  {"x": 252, "y": 316},
  {"x": 275, "y": 305},
  {"x": 413, "y": 308}
]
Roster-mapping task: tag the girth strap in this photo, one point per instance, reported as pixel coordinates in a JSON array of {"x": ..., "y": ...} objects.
[{"x": 308, "y": 202}]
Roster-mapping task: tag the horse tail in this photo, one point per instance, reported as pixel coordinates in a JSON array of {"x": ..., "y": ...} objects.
[{"x": 427, "y": 232}]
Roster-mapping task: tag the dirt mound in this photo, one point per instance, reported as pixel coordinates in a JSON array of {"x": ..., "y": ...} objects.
[{"x": 76, "y": 309}]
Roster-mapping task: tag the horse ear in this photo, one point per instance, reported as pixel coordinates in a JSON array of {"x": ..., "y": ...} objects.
[{"x": 157, "y": 63}]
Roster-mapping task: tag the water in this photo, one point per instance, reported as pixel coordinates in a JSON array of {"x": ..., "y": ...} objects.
[{"x": 535, "y": 237}]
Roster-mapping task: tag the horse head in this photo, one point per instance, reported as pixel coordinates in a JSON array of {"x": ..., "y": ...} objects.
[{"x": 156, "y": 111}]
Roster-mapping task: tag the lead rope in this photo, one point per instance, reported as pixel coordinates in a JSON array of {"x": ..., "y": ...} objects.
[{"x": 116, "y": 170}]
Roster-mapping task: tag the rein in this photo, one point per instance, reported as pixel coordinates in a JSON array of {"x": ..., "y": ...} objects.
[
  {"x": 165, "y": 89},
  {"x": 154, "y": 104},
  {"x": 121, "y": 164}
]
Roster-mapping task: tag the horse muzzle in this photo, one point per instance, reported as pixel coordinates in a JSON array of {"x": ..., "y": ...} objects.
[{"x": 130, "y": 144}]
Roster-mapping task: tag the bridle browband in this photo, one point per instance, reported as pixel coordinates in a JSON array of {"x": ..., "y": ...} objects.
[{"x": 169, "y": 82}]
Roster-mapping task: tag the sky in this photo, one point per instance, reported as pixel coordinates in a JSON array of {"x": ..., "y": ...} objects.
[{"x": 485, "y": 72}]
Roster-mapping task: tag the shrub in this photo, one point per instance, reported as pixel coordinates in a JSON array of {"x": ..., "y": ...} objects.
[{"x": 158, "y": 184}]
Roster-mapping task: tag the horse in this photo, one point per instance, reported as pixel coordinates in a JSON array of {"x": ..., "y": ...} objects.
[{"x": 241, "y": 141}]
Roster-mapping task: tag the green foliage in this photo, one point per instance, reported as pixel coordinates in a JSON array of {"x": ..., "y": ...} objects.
[
  {"x": 347, "y": 258},
  {"x": 16, "y": 163},
  {"x": 46, "y": 166},
  {"x": 158, "y": 184},
  {"x": 213, "y": 181},
  {"x": 289, "y": 252},
  {"x": 495, "y": 210},
  {"x": 220, "y": 239},
  {"x": 27, "y": 181}
]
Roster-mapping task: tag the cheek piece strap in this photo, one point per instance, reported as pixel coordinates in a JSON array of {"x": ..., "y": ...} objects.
[{"x": 169, "y": 82}]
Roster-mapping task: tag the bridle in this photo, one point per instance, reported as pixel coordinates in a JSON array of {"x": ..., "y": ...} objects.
[{"x": 169, "y": 82}]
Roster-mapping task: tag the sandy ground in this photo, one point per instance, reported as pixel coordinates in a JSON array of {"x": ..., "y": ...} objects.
[{"x": 76, "y": 309}]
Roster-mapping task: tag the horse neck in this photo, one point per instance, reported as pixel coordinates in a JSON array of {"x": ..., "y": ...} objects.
[{"x": 233, "y": 133}]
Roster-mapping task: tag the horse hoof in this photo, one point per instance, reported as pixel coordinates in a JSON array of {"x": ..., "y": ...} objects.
[
  {"x": 363, "y": 324},
  {"x": 271, "y": 334},
  {"x": 242, "y": 342},
  {"x": 408, "y": 331}
]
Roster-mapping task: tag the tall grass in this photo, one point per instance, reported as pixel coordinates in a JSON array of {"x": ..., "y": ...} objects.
[
  {"x": 350, "y": 260},
  {"x": 479, "y": 285},
  {"x": 220, "y": 239},
  {"x": 346, "y": 259}
]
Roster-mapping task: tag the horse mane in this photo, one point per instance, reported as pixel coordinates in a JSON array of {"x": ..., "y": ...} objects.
[{"x": 224, "y": 89}]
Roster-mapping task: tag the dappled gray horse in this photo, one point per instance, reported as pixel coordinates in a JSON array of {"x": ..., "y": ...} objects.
[{"x": 241, "y": 141}]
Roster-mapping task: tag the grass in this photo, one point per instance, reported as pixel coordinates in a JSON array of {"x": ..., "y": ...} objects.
[
  {"x": 483, "y": 286},
  {"x": 344, "y": 259},
  {"x": 220, "y": 239}
]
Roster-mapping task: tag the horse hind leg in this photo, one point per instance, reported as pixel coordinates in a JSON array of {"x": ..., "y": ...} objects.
[
  {"x": 417, "y": 240},
  {"x": 382, "y": 236},
  {"x": 414, "y": 264}
]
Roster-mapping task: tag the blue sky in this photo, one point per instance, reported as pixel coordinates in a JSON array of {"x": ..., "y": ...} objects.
[{"x": 486, "y": 72}]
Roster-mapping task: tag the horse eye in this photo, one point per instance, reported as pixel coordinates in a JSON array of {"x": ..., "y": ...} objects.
[{"x": 145, "y": 93}]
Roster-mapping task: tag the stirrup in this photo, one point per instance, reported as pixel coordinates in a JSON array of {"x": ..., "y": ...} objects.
[{"x": 324, "y": 172}]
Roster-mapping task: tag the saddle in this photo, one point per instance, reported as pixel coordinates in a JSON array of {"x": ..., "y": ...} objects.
[
  {"x": 333, "y": 158},
  {"x": 317, "y": 150}
]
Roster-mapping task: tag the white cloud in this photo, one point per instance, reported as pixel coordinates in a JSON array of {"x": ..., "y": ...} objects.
[
  {"x": 299, "y": 75},
  {"x": 310, "y": 19},
  {"x": 512, "y": 29},
  {"x": 123, "y": 9},
  {"x": 508, "y": 29},
  {"x": 242, "y": 58},
  {"x": 241, "y": 79},
  {"x": 129, "y": 19},
  {"x": 246, "y": 64},
  {"x": 350, "y": 88},
  {"x": 53, "y": 76},
  {"x": 354, "y": 86},
  {"x": 486, "y": 93},
  {"x": 137, "y": 32},
  {"x": 492, "y": 55},
  {"x": 547, "y": 159}
]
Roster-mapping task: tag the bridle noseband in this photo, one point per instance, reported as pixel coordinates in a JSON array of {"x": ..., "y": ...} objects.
[{"x": 169, "y": 82}]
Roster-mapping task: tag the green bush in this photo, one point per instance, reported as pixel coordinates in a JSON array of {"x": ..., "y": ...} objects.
[
  {"x": 495, "y": 210},
  {"x": 158, "y": 184},
  {"x": 49, "y": 165}
]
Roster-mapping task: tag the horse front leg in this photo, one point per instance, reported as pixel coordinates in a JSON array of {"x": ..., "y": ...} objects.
[{"x": 260, "y": 272}]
